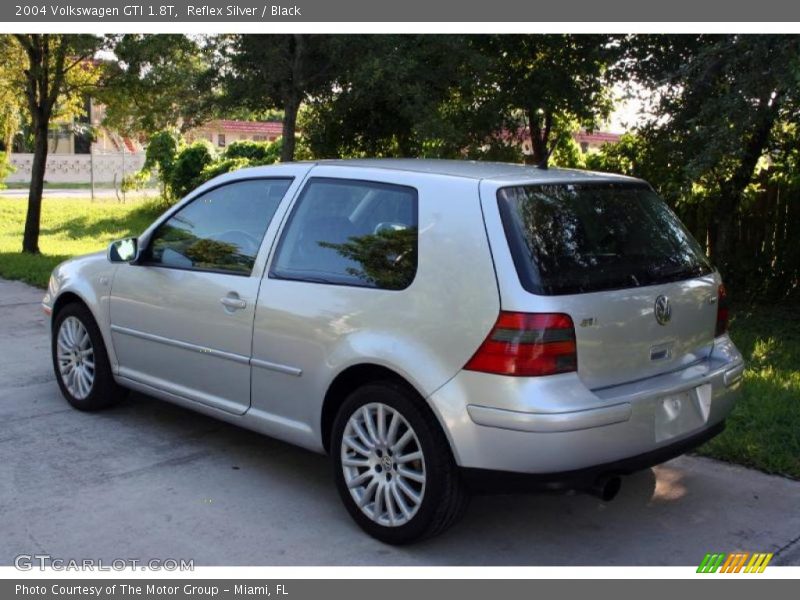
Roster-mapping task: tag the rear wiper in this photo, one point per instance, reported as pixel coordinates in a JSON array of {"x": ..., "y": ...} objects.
[{"x": 677, "y": 273}]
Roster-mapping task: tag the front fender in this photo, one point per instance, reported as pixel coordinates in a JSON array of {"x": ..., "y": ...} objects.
[{"x": 89, "y": 279}]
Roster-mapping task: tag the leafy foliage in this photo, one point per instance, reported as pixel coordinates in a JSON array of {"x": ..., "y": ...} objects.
[
  {"x": 12, "y": 98},
  {"x": 257, "y": 152},
  {"x": 5, "y": 168},
  {"x": 181, "y": 167},
  {"x": 394, "y": 95},
  {"x": 532, "y": 81},
  {"x": 276, "y": 72},
  {"x": 186, "y": 172},
  {"x": 56, "y": 73},
  {"x": 720, "y": 100},
  {"x": 222, "y": 166},
  {"x": 158, "y": 82},
  {"x": 386, "y": 259}
]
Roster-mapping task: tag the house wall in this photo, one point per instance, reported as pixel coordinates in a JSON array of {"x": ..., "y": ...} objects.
[{"x": 77, "y": 168}]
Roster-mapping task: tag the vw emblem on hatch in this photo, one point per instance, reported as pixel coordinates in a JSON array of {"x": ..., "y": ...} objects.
[{"x": 663, "y": 310}]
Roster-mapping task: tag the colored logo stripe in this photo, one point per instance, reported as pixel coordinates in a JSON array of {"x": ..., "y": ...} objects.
[
  {"x": 758, "y": 563},
  {"x": 734, "y": 562},
  {"x": 711, "y": 563}
]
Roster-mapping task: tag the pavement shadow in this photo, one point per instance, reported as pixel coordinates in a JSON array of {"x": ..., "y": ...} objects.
[{"x": 534, "y": 528}]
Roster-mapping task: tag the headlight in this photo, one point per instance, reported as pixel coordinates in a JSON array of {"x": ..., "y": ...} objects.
[{"x": 52, "y": 290}]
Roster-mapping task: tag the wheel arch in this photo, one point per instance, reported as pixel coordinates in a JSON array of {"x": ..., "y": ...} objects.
[
  {"x": 358, "y": 375},
  {"x": 72, "y": 296},
  {"x": 65, "y": 298}
]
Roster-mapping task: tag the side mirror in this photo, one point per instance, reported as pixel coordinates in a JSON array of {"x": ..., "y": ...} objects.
[{"x": 123, "y": 251}]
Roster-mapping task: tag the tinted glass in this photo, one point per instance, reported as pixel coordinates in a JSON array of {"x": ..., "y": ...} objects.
[
  {"x": 220, "y": 230},
  {"x": 351, "y": 233},
  {"x": 569, "y": 239}
]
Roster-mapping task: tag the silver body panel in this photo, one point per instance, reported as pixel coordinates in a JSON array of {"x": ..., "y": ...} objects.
[{"x": 269, "y": 365}]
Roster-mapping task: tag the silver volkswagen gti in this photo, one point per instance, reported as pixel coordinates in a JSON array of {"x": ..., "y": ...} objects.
[{"x": 438, "y": 327}]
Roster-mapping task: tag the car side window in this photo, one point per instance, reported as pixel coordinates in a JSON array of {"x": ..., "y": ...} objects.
[
  {"x": 220, "y": 230},
  {"x": 350, "y": 232}
]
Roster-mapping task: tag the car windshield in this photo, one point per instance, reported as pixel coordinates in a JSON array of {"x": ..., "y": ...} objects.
[{"x": 575, "y": 238}]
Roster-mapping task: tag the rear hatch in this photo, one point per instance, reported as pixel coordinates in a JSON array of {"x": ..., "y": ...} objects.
[{"x": 613, "y": 256}]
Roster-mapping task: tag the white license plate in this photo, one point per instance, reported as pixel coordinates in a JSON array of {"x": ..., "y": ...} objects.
[{"x": 681, "y": 413}]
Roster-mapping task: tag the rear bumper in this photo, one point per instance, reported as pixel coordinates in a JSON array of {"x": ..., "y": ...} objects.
[
  {"x": 485, "y": 481},
  {"x": 555, "y": 425}
]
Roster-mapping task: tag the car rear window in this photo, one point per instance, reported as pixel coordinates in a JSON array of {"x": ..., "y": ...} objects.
[{"x": 587, "y": 237}]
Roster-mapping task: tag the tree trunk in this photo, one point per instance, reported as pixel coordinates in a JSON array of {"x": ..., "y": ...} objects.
[
  {"x": 293, "y": 93},
  {"x": 732, "y": 192},
  {"x": 289, "y": 125},
  {"x": 540, "y": 137},
  {"x": 30, "y": 239}
]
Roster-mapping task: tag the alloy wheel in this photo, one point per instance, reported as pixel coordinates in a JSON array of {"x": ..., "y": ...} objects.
[
  {"x": 75, "y": 356},
  {"x": 383, "y": 464}
]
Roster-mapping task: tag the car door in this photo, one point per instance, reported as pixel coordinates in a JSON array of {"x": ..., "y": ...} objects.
[
  {"x": 182, "y": 315},
  {"x": 348, "y": 247}
]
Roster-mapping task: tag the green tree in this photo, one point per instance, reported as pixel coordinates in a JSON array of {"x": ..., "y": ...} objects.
[
  {"x": 159, "y": 82},
  {"x": 12, "y": 98},
  {"x": 536, "y": 81},
  {"x": 397, "y": 95},
  {"x": 456, "y": 95},
  {"x": 186, "y": 172},
  {"x": 276, "y": 72},
  {"x": 719, "y": 102},
  {"x": 57, "y": 71}
]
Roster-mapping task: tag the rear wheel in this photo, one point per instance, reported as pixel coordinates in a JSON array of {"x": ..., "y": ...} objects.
[
  {"x": 394, "y": 469},
  {"x": 80, "y": 360}
]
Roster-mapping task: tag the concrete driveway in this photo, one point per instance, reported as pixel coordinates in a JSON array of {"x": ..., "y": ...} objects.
[{"x": 150, "y": 480}]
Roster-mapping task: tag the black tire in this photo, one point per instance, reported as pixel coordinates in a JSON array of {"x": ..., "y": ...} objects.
[
  {"x": 445, "y": 497},
  {"x": 104, "y": 390}
]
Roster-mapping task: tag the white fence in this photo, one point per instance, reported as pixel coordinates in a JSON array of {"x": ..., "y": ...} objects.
[{"x": 77, "y": 168}]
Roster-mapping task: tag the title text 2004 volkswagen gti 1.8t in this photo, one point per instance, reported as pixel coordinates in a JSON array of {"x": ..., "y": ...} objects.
[{"x": 437, "y": 327}]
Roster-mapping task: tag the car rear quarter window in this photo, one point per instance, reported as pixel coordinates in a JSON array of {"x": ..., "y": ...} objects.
[
  {"x": 576, "y": 238},
  {"x": 350, "y": 232}
]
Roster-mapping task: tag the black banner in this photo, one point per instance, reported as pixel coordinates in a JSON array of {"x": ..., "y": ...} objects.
[{"x": 260, "y": 11}]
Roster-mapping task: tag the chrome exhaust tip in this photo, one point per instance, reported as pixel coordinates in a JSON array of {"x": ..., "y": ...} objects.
[{"x": 606, "y": 487}]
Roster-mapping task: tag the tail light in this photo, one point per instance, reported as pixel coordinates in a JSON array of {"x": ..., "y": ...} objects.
[
  {"x": 722, "y": 311},
  {"x": 528, "y": 345}
]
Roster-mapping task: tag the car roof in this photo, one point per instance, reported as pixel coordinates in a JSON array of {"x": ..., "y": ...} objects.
[
  {"x": 500, "y": 174},
  {"x": 503, "y": 173}
]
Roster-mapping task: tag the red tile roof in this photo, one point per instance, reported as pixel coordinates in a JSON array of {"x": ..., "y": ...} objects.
[
  {"x": 267, "y": 128},
  {"x": 597, "y": 137}
]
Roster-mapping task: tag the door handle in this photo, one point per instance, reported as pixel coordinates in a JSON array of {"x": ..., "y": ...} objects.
[{"x": 233, "y": 302}]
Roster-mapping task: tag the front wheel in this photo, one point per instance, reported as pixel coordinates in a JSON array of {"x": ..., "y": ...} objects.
[
  {"x": 393, "y": 466},
  {"x": 80, "y": 360}
]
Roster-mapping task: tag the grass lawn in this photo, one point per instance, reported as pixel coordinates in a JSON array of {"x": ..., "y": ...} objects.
[
  {"x": 763, "y": 431},
  {"x": 69, "y": 227}
]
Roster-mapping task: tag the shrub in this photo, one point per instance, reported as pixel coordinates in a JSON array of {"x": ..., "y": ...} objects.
[
  {"x": 181, "y": 168},
  {"x": 262, "y": 153},
  {"x": 186, "y": 171},
  {"x": 162, "y": 148},
  {"x": 6, "y": 168},
  {"x": 222, "y": 166}
]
